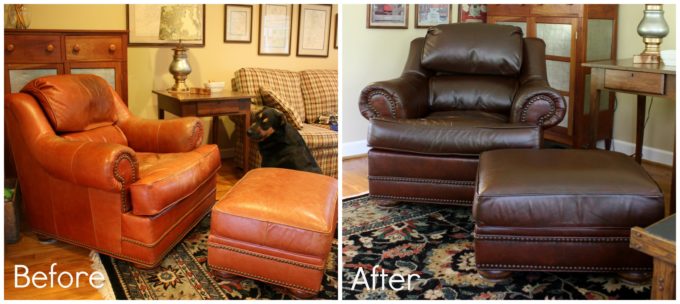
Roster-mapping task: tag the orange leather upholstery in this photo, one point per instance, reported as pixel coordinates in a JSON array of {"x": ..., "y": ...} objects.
[
  {"x": 95, "y": 176},
  {"x": 275, "y": 225}
]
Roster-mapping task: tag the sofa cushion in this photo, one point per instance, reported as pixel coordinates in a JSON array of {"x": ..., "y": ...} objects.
[
  {"x": 319, "y": 92},
  {"x": 474, "y": 48},
  {"x": 272, "y": 99},
  {"x": 167, "y": 178},
  {"x": 285, "y": 83},
  {"x": 452, "y": 133},
  {"x": 74, "y": 102},
  {"x": 319, "y": 136}
]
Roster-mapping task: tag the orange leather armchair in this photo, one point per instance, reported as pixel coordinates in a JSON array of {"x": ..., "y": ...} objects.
[{"x": 94, "y": 175}]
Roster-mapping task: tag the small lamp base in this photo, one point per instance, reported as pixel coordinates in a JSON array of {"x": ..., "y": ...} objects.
[
  {"x": 179, "y": 87},
  {"x": 647, "y": 58}
]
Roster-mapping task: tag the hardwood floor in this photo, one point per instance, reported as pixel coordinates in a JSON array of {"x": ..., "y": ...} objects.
[
  {"x": 38, "y": 257},
  {"x": 355, "y": 177}
]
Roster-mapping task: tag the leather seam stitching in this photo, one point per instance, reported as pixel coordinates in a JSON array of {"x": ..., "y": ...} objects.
[
  {"x": 553, "y": 239},
  {"x": 463, "y": 202},
  {"x": 420, "y": 180},
  {"x": 265, "y": 256}
]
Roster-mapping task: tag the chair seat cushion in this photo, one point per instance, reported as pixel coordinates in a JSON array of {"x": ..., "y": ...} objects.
[
  {"x": 452, "y": 133},
  {"x": 287, "y": 210},
  {"x": 167, "y": 178},
  {"x": 563, "y": 190}
]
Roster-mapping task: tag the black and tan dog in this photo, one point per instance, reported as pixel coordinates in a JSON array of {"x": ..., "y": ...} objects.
[{"x": 280, "y": 144}]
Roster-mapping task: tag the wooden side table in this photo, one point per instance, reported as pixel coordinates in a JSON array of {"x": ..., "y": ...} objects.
[
  {"x": 214, "y": 105},
  {"x": 658, "y": 241},
  {"x": 656, "y": 80}
]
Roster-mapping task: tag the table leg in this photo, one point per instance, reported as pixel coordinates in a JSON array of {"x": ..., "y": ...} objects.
[
  {"x": 215, "y": 127},
  {"x": 663, "y": 281},
  {"x": 594, "y": 107},
  {"x": 640, "y": 130},
  {"x": 161, "y": 113},
  {"x": 246, "y": 141}
]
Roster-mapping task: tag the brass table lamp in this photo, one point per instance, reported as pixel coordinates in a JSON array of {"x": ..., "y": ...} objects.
[
  {"x": 652, "y": 28},
  {"x": 174, "y": 28}
]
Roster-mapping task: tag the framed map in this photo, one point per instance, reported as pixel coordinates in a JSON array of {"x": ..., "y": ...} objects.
[
  {"x": 144, "y": 21},
  {"x": 238, "y": 23},
  {"x": 314, "y": 30},
  {"x": 276, "y": 21}
]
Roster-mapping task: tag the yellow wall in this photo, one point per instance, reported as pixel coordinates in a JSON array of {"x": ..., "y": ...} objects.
[
  {"x": 384, "y": 52},
  {"x": 148, "y": 66}
]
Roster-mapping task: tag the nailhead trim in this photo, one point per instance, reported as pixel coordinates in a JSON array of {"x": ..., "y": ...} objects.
[
  {"x": 257, "y": 277},
  {"x": 264, "y": 256},
  {"x": 116, "y": 174},
  {"x": 196, "y": 139},
  {"x": 532, "y": 100},
  {"x": 388, "y": 97},
  {"x": 421, "y": 180},
  {"x": 553, "y": 239},
  {"x": 439, "y": 200},
  {"x": 561, "y": 268}
]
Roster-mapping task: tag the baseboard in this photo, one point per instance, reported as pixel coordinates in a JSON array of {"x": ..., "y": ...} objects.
[
  {"x": 227, "y": 153},
  {"x": 354, "y": 148},
  {"x": 648, "y": 153}
]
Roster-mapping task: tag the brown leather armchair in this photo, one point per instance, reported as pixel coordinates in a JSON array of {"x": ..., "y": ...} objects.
[
  {"x": 95, "y": 176},
  {"x": 466, "y": 88}
]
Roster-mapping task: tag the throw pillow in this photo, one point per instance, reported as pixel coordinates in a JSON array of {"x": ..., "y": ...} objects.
[{"x": 274, "y": 100}]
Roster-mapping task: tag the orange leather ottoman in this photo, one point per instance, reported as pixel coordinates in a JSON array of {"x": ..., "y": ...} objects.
[{"x": 276, "y": 226}]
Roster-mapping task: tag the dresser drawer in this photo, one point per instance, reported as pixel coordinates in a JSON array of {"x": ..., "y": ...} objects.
[
  {"x": 90, "y": 48},
  {"x": 32, "y": 48},
  {"x": 217, "y": 107},
  {"x": 634, "y": 81}
]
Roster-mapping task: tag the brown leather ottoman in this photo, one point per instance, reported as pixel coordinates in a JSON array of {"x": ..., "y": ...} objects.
[
  {"x": 276, "y": 226},
  {"x": 562, "y": 210}
]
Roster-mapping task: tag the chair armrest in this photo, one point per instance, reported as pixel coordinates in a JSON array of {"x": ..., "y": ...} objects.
[
  {"x": 537, "y": 103},
  {"x": 163, "y": 136},
  {"x": 403, "y": 97},
  {"x": 105, "y": 166}
]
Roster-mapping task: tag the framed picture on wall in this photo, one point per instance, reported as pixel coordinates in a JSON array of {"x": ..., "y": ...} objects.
[
  {"x": 472, "y": 13},
  {"x": 276, "y": 21},
  {"x": 314, "y": 30},
  {"x": 393, "y": 16},
  {"x": 238, "y": 23},
  {"x": 144, "y": 22},
  {"x": 428, "y": 15},
  {"x": 336, "y": 31}
]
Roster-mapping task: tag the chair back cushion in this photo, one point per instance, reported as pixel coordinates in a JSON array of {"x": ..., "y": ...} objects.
[
  {"x": 105, "y": 134},
  {"x": 474, "y": 48},
  {"x": 285, "y": 83},
  {"x": 472, "y": 92},
  {"x": 74, "y": 103},
  {"x": 319, "y": 92}
]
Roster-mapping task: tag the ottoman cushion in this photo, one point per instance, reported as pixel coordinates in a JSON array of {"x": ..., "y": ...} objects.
[
  {"x": 275, "y": 225},
  {"x": 561, "y": 210}
]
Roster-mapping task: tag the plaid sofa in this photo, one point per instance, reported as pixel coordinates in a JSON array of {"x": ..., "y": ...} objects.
[{"x": 311, "y": 93}]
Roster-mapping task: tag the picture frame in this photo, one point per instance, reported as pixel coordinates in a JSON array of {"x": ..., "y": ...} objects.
[
  {"x": 143, "y": 24},
  {"x": 387, "y": 16},
  {"x": 314, "y": 30},
  {"x": 238, "y": 23},
  {"x": 276, "y": 23},
  {"x": 336, "y": 31},
  {"x": 472, "y": 13},
  {"x": 428, "y": 15}
]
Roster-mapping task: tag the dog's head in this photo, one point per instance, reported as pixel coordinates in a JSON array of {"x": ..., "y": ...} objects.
[{"x": 265, "y": 123}]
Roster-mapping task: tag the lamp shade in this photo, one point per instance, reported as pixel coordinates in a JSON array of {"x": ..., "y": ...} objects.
[{"x": 180, "y": 22}]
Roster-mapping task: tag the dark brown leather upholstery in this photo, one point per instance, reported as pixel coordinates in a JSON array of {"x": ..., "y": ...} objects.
[
  {"x": 465, "y": 89},
  {"x": 95, "y": 176},
  {"x": 574, "y": 207},
  {"x": 266, "y": 229}
]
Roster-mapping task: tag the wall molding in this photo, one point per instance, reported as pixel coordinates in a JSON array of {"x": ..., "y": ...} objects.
[{"x": 354, "y": 148}]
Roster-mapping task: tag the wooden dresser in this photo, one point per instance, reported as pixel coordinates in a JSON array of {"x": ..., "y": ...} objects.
[
  {"x": 33, "y": 53},
  {"x": 574, "y": 34}
]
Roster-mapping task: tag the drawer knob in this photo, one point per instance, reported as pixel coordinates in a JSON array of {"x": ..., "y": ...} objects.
[
  {"x": 112, "y": 48},
  {"x": 10, "y": 47},
  {"x": 76, "y": 48},
  {"x": 50, "y": 48}
]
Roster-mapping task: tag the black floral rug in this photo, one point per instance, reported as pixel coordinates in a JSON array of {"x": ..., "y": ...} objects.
[
  {"x": 184, "y": 275},
  {"x": 436, "y": 243}
]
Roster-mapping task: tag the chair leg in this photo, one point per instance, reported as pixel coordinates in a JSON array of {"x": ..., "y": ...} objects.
[
  {"x": 302, "y": 294},
  {"x": 495, "y": 276},
  {"x": 45, "y": 240},
  {"x": 634, "y": 277}
]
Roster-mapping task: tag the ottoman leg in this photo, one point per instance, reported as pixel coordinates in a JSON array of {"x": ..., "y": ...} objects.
[
  {"x": 223, "y": 274},
  {"x": 385, "y": 203},
  {"x": 495, "y": 276},
  {"x": 302, "y": 294},
  {"x": 45, "y": 240},
  {"x": 143, "y": 267},
  {"x": 634, "y": 277}
]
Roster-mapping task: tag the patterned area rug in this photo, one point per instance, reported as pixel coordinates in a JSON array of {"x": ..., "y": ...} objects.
[
  {"x": 184, "y": 275},
  {"x": 436, "y": 243}
]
